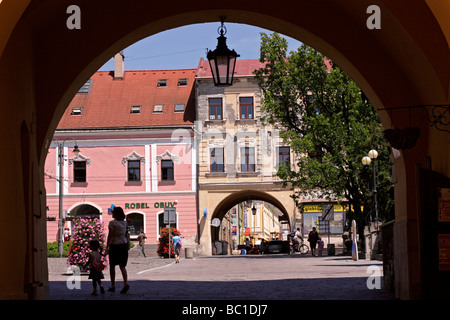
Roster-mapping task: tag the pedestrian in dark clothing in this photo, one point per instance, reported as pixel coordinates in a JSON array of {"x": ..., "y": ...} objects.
[
  {"x": 248, "y": 246},
  {"x": 312, "y": 238}
]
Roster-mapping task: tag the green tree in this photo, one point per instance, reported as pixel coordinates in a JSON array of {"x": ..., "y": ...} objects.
[{"x": 328, "y": 123}]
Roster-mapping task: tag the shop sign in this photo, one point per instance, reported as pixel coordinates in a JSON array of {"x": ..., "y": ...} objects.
[
  {"x": 138, "y": 205},
  {"x": 311, "y": 208},
  {"x": 144, "y": 205}
]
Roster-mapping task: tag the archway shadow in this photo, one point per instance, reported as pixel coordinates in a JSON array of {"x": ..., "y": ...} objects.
[{"x": 346, "y": 288}]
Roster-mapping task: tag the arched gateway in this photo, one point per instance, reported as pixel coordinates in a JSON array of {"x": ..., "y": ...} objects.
[{"x": 403, "y": 63}]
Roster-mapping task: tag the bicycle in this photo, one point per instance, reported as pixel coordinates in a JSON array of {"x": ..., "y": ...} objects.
[{"x": 300, "y": 247}]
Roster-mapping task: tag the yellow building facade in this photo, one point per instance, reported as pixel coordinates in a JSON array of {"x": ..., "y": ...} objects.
[{"x": 237, "y": 154}]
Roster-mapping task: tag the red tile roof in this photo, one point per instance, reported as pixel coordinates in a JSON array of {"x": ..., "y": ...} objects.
[
  {"x": 109, "y": 101},
  {"x": 243, "y": 68}
]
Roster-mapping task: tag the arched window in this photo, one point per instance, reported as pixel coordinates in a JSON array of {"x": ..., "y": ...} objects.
[{"x": 135, "y": 221}]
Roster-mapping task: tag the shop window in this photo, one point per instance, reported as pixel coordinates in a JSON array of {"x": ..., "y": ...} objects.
[
  {"x": 135, "y": 223},
  {"x": 79, "y": 171},
  {"x": 167, "y": 170},
  {"x": 163, "y": 225},
  {"x": 134, "y": 170},
  {"x": 215, "y": 109}
]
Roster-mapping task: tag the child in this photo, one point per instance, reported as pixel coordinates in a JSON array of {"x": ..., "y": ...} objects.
[
  {"x": 320, "y": 246},
  {"x": 96, "y": 266}
]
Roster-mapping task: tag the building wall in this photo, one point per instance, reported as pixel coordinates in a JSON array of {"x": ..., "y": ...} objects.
[
  {"x": 107, "y": 183},
  {"x": 232, "y": 133}
]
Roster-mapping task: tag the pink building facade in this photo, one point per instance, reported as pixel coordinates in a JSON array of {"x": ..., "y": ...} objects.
[{"x": 134, "y": 130}]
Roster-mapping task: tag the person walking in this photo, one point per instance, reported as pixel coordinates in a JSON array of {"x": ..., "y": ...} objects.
[
  {"x": 141, "y": 239},
  {"x": 312, "y": 238},
  {"x": 320, "y": 245},
  {"x": 248, "y": 246},
  {"x": 177, "y": 245},
  {"x": 96, "y": 266},
  {"x": 262, "y": 246},
  {"x": 118, "y": 244}
]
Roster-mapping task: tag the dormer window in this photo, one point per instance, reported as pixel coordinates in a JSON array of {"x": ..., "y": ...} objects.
[
  {"x": 86, "y": 88},
  {"x": 76, "y": 112},
  {"x": 182, "y": 82},
  {"x": 162, "y": 83},
  {"x": 135, "y": 109},
  {"x": 158, "y": 108},
  {"x": 179, "y": 108}
]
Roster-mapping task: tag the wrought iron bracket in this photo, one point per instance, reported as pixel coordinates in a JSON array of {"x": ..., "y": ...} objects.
[{"x": 438, "y": 115}]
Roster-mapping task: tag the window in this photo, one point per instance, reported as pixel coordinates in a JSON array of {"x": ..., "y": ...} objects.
[
  {"x": 182, "y": 82},
  {"x": 215, "y": 109},
  {"x": 76, "y": 112},
  {"x": 134, "y": 170},
  {"x": 167, "y": 170},
  {"x": 79, "y": 171},
  {"x": 163, "y": 225},
  {"x": 179, "y": 107},
  {"x": 162, "y": 83},
  {"x": 86, "y": 88},
  {"x": 135, "y": 109},
  {"x": 158, "y": 108},
  {"x": 247, "y": 159},
  {"x": 246, "y": 108},
  {"x": 217, "y": 160},
  {"x": 283, "y": 156}
]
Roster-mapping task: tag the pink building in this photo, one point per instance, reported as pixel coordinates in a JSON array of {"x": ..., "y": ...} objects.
[{"x": 134, "y": 130}]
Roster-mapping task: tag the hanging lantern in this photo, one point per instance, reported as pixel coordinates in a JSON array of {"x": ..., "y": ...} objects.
[{"x": 222, "y": 60}]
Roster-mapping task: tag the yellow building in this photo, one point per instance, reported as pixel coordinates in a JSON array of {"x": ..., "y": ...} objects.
[{"x": 237, "y": 154}]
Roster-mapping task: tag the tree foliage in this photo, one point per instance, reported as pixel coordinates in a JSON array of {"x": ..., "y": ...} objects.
[{"x": 328, "y": 123}]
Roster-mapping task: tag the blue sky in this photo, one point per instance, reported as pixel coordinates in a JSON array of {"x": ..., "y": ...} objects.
[{"x": 182, "y": 48}]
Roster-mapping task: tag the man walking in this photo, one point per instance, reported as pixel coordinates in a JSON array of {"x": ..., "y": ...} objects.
[{"x": 141, "y": 239}]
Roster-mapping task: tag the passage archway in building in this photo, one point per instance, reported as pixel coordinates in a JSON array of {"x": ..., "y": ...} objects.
[
  {"x": 246, "y": 196},
  {"x": 405, "y": 63}
]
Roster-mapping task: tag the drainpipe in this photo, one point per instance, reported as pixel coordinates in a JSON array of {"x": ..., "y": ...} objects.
[{"x": 197, "y": 134}]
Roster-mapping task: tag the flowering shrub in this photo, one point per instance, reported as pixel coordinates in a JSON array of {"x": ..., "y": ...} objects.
[
  {"x": 83, "y": 231},
  {"x": 163, "y": 244}
]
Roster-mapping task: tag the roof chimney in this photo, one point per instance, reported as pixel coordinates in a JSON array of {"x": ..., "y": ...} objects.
[{"x": 119, "y": 65}]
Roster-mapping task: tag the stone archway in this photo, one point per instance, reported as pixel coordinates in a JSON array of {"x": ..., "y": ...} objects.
[
  {"x": 215, "y": 204},
  {"x": 84, "y": 211},
  {"x": 405, "y": 63},
  {"x": 247, "y": 196}
]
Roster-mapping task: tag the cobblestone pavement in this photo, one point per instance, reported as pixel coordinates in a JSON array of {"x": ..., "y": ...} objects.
[{"x": 247, "y": 277}]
